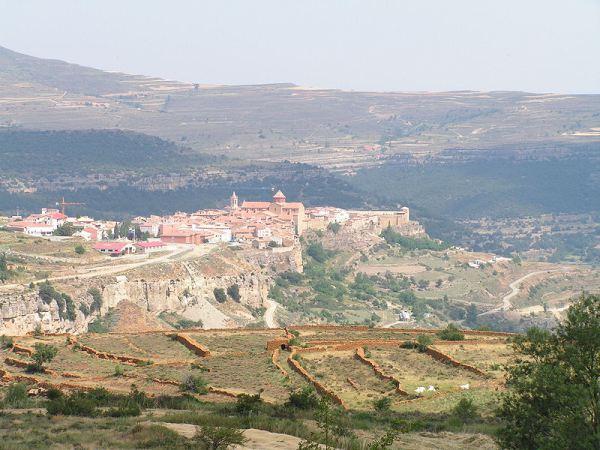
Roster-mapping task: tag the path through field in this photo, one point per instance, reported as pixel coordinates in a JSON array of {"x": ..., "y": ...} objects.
[{"x": 515, "y": 289}]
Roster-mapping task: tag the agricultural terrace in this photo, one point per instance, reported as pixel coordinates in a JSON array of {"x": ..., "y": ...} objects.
[{"x": 238, "y": 362}]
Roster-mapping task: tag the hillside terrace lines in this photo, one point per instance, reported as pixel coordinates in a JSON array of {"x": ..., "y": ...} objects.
[
  {"x": 105, "y": 355},
  {"x": 361, "y": 356},
  {"x": 446, "y": 359},
  {"x": 192, "y": 345},
  {"x": 320, "y": 388}
]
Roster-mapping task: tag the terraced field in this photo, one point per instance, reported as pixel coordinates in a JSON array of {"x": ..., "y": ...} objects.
[{"x": 242, "y": 361}]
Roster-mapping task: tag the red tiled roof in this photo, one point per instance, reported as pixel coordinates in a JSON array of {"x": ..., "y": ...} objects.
[
  {"x": 25, "y": 224},
  {"x": 248, "y": 204},
  {"x": 111, "y": 246},
  {"x": 292, "y": 205},
  {"x": 57, "y": 216}
]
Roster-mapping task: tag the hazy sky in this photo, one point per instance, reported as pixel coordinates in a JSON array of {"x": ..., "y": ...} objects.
[{"x": 533, "y": 45}]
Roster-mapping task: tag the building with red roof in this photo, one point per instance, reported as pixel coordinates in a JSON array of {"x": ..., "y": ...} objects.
[{"x": 114, "y": 248}]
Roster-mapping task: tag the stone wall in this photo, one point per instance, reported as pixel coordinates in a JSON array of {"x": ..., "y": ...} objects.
[
  {"x": 320, "y": 388},
  {"x": 360, "y": 355},
  {"x": 191, "y": 344},
  {"x": 447, "y": 359}
]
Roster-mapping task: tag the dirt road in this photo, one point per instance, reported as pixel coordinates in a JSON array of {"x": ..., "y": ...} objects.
[
  {"x": 515, "y": 289},
  {"x": 179, "y": 253}
]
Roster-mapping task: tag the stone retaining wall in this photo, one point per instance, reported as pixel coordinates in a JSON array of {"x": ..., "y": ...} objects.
[
  {"x": 447, "y": 359},
  {"x": 321, "y": 389},
  {"x": 131, "y": 360},
  {"x": 191, "y": 344},
  {"x": 274, "y": 359},
  {"x": 17, "y": 348},
  {"x": 360, "y": 355}
]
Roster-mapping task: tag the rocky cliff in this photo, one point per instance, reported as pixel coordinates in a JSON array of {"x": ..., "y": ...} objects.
[{"x": 184, "y": 288}]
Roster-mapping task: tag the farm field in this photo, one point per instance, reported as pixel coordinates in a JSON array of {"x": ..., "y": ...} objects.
[
  {"x": 274, "y": 363},
  {"x": 239, "y": 361}
]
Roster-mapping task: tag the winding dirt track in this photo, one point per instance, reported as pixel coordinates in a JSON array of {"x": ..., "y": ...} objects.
[{"x": 515, "y": 289}]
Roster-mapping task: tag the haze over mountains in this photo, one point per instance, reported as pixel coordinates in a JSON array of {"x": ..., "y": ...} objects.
[
  {"x": 326, "y": 127},
  {"x": 383, "y": 149}
]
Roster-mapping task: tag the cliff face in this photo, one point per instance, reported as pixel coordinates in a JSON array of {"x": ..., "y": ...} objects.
[
  {"x": 185, "y": 288},
  {"x": 23, "y": 311}
]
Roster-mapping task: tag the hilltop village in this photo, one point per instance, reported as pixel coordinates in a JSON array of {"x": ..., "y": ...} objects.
[{"x": 254, "y": 224}]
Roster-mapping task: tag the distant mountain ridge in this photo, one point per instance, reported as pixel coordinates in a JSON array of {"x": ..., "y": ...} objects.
[
  {"x": 54, "y": 73},
  {"x": 339, "y": 130}
]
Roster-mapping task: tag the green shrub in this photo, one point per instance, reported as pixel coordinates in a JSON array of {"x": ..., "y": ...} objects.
[
  {"x": 42, "y": 354},
  {"x": 219, "y": 438},
  {"x": 16, "y": 396},
  {"x": 382, "y": 404},
  {"x": 96, "y": 299},
  {"x": 128, "y": 409},
  {"x": 156, "y": 436},
  {"x": 79, "y": 249},
  {"x": 423, "y": 341},
  {"x": 119, "y": 371},
  {"x": 304, "y": 398},
  {"x": 220, "y": 295},
  {"x": 234, "y": 292},
  {"x": 76, "y": 404},
  {"x": 54, "y": 393},
  {"x": 248, "y": 404},
  {"x": 465, "y": 410},
  {"x": 6, "y": 342},
  {"x": 194, "y": 383},
  {"x": 451, "y": 333},
  {"x": 334, "y": 227}
]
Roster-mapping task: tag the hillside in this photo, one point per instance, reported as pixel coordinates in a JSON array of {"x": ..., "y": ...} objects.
[
  {"x": 452, "y": 157},
  {"x": 336, "y": 129},
  {"x": 353, "y": 367}
]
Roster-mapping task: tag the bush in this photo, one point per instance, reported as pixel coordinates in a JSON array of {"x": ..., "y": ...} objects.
[
  {"x": 451, "y": 333},
  {"x": 79, "y": 249},
  {"x": 465, "y": 410},
  {"x": 77, "y": 404},
  {"x": 248, "y": 403},
  {"x": 128, "y": 409},
  {"x": 156, "y": 436},
  {"x": 43, "y": 353},
  {"x": 194, "y": 383},
  {"x": 383, "y": 404},
  {"x": 234, "y": 292},
  {"x": 318, "y": 253},
  {"x": 423, "y": 341},
  {"x": 54, "y": 393},
  {"x": 96, "y": 299},
  {"x": 6, "y": 342},
  {"x": 16, "y": 396},
  {"x": 119, "y": 371},
  {"x": 334, "y": 227},
  {"x": 219, "y": 438},
  {"x": 305, "y": 398},
  {"x": 220, "y": 295},
  {"x": 85, "y": 309}
]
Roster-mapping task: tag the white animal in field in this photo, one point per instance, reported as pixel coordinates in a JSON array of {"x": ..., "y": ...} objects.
[
  {"x": 431, "y": 388},
  {"x": 464, "y": 387},
  {"x": 420, "y": 389}
]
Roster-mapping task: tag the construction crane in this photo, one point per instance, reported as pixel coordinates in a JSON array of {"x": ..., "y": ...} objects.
[{"x": 62, "y": 204}]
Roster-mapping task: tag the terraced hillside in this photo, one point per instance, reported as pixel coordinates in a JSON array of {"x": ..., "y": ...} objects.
[{"x": 354, "y": 366}]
